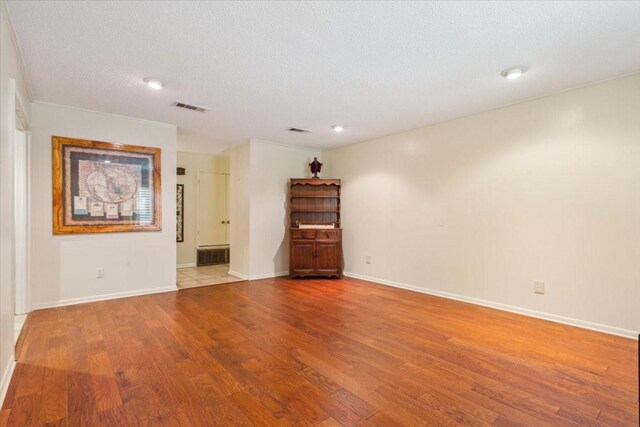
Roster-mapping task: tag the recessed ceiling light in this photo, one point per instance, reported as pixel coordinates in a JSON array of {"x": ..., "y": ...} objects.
[
  {"x": 338, "y": 128},
  {"x": 512, "y": 73},
  {"x": 107, "y": 161},
  {"x": 154, "y": 84}
]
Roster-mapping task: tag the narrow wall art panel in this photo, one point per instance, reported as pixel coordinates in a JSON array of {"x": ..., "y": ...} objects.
[{"x": 180, "y": 213}]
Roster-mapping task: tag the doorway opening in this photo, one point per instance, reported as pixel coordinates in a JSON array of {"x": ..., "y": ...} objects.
[{"x": 203, "y": 232}]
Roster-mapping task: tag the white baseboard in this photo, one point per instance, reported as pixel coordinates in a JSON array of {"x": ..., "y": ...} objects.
[
  {"x": 6, "y": 379},
  {"x": 187, "y": 265},
  {"x": 613, "y": 330},
  {"x": 82, "y": 300},
  {"x": 268, "y": 275},
  {"x": 240, "y": 275},
  {"x": 18, "y": 324},
  {"x": 258, "y": 276}
]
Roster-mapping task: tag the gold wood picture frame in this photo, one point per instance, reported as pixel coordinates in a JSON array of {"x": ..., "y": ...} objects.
[{"x": 102, "y": 187}]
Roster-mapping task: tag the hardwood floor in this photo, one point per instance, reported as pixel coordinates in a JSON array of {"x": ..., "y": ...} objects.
[{"x": 316, "y": 352}]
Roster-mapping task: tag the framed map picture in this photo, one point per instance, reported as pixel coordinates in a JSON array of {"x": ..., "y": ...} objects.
[{"x": 101, "y": 187}]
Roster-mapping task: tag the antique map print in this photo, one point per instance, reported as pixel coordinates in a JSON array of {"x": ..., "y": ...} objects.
[
  {"x": 107, "y": 186},
  {"x": 103, "y": 187}
]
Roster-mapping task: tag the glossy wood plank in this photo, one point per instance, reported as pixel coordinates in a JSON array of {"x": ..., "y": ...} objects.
[{"x": 317, "y": 353}]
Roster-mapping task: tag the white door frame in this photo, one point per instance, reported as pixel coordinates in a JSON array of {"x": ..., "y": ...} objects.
[
  {"x": 22, "y": 211},
  {"x": 21, "y": 222}
]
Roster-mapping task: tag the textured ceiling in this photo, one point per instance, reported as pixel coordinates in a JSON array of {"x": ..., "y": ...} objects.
[{"x": 377, "y": 68}]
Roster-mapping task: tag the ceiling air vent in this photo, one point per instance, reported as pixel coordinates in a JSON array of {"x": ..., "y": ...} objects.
[
  {"x": 298, "y": 130},
  {"x": 189, "y": 107}
]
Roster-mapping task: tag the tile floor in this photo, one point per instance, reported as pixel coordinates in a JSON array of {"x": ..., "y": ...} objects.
[{"x": 193, "y": 277}]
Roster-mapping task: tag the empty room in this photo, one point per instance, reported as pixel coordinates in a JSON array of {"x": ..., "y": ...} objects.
[{"x": 319, "y": 213}]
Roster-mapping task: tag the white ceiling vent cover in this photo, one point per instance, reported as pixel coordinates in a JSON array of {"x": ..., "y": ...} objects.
[{"x": 186, "y": 106}]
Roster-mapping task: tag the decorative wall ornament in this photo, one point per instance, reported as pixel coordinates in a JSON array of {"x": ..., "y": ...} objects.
[
  {"x": 101, "y": 187},
  {"x": 180, "y": 213}
]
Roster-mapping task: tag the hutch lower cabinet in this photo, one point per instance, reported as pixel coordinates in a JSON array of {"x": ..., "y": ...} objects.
[{"x": 316, "y": 252}]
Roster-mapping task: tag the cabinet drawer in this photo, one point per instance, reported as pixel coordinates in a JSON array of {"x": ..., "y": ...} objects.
[
  {"x": 328, "y": 234},
  {"x": 303, "y": 234}
]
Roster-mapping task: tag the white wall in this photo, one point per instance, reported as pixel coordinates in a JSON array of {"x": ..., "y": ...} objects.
[
  {"x": 272, "y": 166},
  {"x": 63, "y": 267},
  {"x": 194, "y": 162},
  {"x": 260, "y": 173},
  {"x": 482, "y": 206},
  {"x": 12, "y": 81},
  {"x": 239, "y": 173}
]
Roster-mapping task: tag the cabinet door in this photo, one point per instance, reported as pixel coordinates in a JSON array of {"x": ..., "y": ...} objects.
[
  {"x": 328, "y": 258},
  {"x": 302, "y": 259}
]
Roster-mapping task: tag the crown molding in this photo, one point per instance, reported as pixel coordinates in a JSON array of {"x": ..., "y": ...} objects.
[
  {"x": 117, "y": 116},
  {"x": 279, "y": 144}
]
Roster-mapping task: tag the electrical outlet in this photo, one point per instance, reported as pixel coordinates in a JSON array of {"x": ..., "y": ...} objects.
[
  {"x": 538, "y": 287},
  {"x": 368, "y": 259},
  {"x": 100, "y": 273}
]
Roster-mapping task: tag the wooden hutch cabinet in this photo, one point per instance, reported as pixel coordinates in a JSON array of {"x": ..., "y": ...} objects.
[{"x": 316, "y": 236}]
